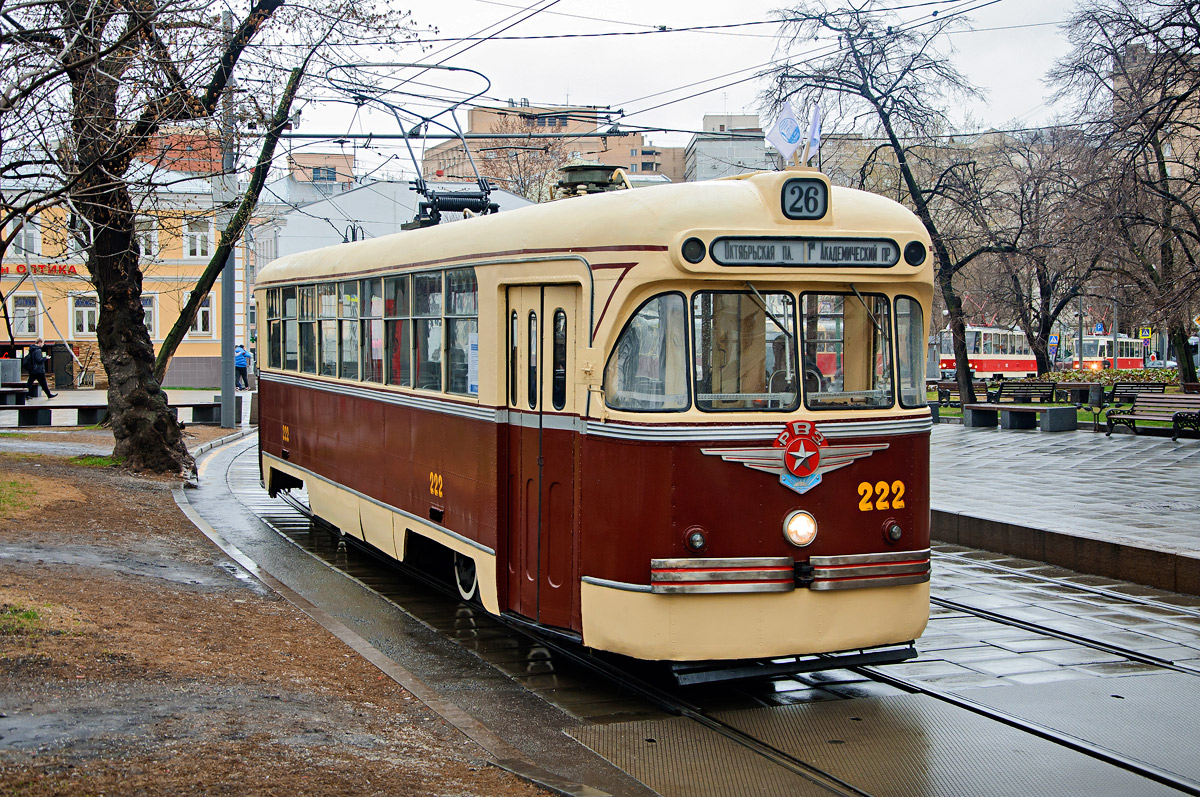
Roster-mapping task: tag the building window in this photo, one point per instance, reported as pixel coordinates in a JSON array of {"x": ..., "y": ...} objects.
[
  {"x": 85, "y": 314},
  {"x": 633, "y": 153},
  {"x": 27, "y": 238},
  {"x": 79, "y": 235},
  {"x": 197, "y": 237},
  {"x": 202, "y": 323},
  {"x": 145, "y": 232},
  {"x": 148, "y": 313},
  {"x": 324, "y": 174},
  {"x": 25, "y": 315},
  {"x": 647, "y": 167}
]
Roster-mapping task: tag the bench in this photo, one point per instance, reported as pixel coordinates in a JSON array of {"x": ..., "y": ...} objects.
[
  {"x": 203, "y": 413},
  {"x": 1191, "y": 387},
  {"x": 948, "y": 392},
  {"x": 1022, "y": 392},
  {"x": 1076, "y": 392},
  {"x": 1126, "y": 392},
  {"x": 13, "y": 396},
  {"x": 1021, "y": 416},
  {"x": 1181, "y": 409}
]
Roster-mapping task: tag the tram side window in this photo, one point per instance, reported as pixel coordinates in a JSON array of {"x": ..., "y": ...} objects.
[
  {"x": 559, "y": 360},
  {"x": 327, "y": 329},
  {"x": 745, "y": 347},
  {"x": 513, "y": 375},
  {"x": 647, "y": 369},
  {"x": 847, "y": 339},
  {"x": 427, "y": 330},
  {"x": 910, "y": 335},
  {"x": 371, "y": 336},
  {"x": 973, "y": 339},
  {"x": 291, "y": 330},
  {"x": 462, "y": 332},
  {"x": 274, "y": 329},
  {"x": 348, "y": 329},
  {"x": 308, "y": 329},
  {"x": 396, "y": 312}
]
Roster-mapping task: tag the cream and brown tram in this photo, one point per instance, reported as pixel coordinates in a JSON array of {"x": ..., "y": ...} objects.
[{"x": 681, "y": 423}]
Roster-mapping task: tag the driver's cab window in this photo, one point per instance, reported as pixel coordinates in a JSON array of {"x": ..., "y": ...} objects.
[
  {"x": 846, "y": 345},
  {"x": 647, "y": 369}
]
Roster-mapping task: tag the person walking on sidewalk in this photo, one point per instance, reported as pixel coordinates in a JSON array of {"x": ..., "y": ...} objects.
[
  {"x": 241, "y": 365},
  {"x": 35, "y": 363}
]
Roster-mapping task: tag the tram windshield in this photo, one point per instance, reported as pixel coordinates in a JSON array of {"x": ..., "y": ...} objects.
[
  {"x": 846, "y": 347},
  {"x": 745, "y": 350}
]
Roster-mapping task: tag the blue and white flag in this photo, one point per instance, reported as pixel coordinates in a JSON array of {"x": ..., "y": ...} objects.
[
  {"x": 814, "y": 135},
  {"x": 785, "y": 134}
]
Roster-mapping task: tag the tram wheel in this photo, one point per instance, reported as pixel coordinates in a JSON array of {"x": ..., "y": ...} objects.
[{"x": 465, "y": 577}]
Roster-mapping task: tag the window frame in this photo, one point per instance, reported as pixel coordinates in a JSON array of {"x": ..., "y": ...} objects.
[
  {"x": 94, "y": 313},
  {"x": 689, "y": 389},
  {"x": 890, "y": 348},
  {"x": 34, "y": 319},
  {"x": 191, "y": 237}
]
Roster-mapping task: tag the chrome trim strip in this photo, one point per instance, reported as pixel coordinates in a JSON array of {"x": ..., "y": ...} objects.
[
  {"x": 675, "y": 589},
  {"x": 869, "y": 570},
  {"x": 891, "y": 581},
  {"x": 746, "y": 562},
  {"x": 767, "y": 431},
  {"x": 658, "y": 577},
  {"x": 604, "y": 582},
  {"x": 477, "y": 545},
  {"x": 869, "y": 558}
]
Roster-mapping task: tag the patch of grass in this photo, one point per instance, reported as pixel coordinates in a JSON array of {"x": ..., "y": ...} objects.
[
  {"x": 14, "y": 495},
  {"x": 16, "y": 435},
  {"x": 16, "y": 620},
  {"x": 97, "y": 461}
]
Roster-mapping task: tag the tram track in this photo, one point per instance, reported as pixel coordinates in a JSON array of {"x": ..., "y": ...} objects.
[{"x": 294, "y": 522}]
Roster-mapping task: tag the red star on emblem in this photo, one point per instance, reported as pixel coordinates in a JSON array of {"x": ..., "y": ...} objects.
[{"x": 802, "y": 456}]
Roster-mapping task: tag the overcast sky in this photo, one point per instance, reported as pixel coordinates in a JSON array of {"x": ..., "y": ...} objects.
[{"x": 1007, "y": 51}]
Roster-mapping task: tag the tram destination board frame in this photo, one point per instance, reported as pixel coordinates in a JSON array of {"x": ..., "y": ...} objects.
[{"x": 801, "y": 252}]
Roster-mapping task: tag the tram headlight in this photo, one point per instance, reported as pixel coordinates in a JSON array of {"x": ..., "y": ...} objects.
[
  {"x": 800, "y": 528},
  {"x": 694, "y": 250},
  {"x": 695, "y": 539}
]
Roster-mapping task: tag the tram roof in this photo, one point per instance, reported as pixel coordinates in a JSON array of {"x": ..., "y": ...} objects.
[{"x": 645, "y": 217}]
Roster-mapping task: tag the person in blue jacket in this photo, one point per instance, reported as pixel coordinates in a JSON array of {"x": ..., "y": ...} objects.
[
  {"x": 35, "y": 362},
  {"x": 241, "y": 367}
]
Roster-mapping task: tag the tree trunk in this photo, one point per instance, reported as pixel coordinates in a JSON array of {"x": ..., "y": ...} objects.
[
  {"x": 1178, "y": 334},
  {"x": 958, "y": 333}
]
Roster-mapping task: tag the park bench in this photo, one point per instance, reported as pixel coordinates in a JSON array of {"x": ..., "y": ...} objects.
[
  {"x": 1021, "y": 416},
  {"x": 1076, "y": 392},
  {"x": 1022, "y": 392},
  {"x": 1126, "y": 392},
  {"x": 947, "y": 391},
  {"x": 1191, "y": 387},
  {"x": 13, "y": 396},
  {"x": 203, "y": 413},
  {"x": 1181, "y": 409}
]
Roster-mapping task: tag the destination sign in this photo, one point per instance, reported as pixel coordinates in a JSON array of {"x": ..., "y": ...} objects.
[{"x": 799, "y": 252}]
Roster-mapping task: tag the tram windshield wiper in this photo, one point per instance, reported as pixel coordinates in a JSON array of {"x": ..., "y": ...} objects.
[
  {"x": 763, "y": 303},
  {"x": 870, "y": 315}
]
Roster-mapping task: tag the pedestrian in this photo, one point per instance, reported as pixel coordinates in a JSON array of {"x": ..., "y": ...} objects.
[
  {"x": 241, "y": 367},
  {"x": 35, "y": 362}
]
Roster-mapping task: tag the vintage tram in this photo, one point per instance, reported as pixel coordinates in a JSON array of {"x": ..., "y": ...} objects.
[{"x": 678, "y": 423}]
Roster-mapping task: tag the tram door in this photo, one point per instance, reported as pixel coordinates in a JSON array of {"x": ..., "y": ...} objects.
[{"x": 542, "y": 336}]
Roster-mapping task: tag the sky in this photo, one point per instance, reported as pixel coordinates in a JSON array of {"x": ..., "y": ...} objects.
[{"x": 1009, "y": 46}]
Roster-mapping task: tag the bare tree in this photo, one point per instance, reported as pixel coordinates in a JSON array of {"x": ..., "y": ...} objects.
[
  {"x": 121, "y": 73},
  {"x": 889, "y": 81},
  {"x": 525, "y": 167},
  {"x": 1134, "y": 72}
]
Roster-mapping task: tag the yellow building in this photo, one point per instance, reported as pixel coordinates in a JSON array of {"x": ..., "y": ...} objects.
[{"x": 48, "y": 293}]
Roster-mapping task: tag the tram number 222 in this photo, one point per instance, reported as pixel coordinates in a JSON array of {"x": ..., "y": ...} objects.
[{"x": 880, "y": 495}]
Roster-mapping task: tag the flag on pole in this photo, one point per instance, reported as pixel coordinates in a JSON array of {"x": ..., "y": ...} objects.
[
  {"x": 785, "y": 134},
  {"x": 813, "y": 145}
]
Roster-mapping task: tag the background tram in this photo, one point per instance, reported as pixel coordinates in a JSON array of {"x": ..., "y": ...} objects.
[
  {"x": 682, "y": 423},
  {"x": 993, "y": 353},
  {"x": 1098, "y": 350}
]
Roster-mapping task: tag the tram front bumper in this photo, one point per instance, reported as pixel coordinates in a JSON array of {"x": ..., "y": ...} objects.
[{"x": 782, "y": 574}]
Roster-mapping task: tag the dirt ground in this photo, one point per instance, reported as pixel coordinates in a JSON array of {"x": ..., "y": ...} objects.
[{"x": 133, "y": 660}]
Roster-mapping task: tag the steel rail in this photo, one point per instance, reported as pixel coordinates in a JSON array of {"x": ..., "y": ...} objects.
[
  {"x": 1107, "y": 593},
  {"x": 1083, "y": 641},
  {"x": 1090, "y": 749}
]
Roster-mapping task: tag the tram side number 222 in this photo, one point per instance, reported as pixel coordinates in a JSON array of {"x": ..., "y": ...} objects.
[{"x": 880, "y": 495}]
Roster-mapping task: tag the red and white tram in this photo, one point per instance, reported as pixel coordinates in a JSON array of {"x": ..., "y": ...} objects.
[
  {"x": 992, "y": 352},
  {"x": 685, "y": 422},
  {"x": 1098, "y": 349}
]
